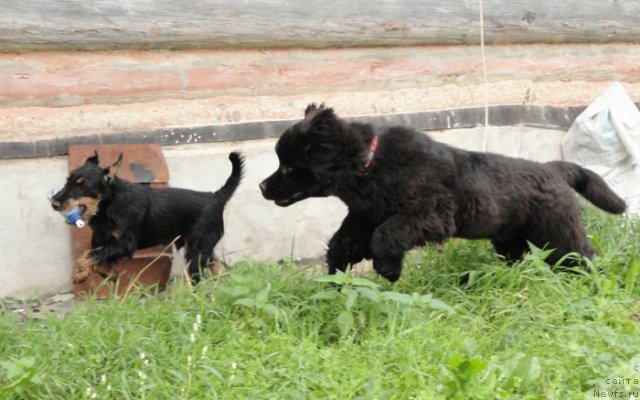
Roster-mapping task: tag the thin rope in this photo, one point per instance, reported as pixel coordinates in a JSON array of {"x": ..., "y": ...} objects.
[{"x": 484, "y": 76}]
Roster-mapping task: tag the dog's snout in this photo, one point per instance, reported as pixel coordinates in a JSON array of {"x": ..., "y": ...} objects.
[
  {"x": 263, "y": 187},
  {"x": 56, "y": 204},
  {"x": 53, "y": 197}
]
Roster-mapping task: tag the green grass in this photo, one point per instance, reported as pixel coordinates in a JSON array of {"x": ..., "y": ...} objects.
[{"x": 267, "y": 331}]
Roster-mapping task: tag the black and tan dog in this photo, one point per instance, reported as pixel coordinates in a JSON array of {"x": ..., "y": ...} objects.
[
  {"x": 127, "y": 216},
  {"x": 404, "y": 190}
]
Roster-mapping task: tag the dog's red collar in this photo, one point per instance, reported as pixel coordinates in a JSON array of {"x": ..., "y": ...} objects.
[{"x": 372, "y": 152}]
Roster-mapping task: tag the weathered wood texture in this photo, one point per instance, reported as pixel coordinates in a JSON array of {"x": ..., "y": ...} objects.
[{"x": 108, "y": 24}]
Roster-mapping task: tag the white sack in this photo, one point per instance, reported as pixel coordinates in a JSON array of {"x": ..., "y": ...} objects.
[{"x": 606, "y": 139}]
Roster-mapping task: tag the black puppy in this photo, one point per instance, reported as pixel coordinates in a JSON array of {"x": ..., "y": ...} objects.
[
  {"x": 404, "y": 189},
  {"x": 127, "y": 216}
]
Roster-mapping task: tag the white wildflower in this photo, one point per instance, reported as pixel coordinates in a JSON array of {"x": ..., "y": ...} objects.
[
  {"x": 204, "y": 351},
  {"x": 91, "y": 393}
]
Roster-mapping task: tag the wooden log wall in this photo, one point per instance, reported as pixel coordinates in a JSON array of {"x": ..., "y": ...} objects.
[{"x": 215, "y": 24}]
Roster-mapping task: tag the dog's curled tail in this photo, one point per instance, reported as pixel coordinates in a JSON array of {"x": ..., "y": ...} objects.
[
  {"x": 233, "y": 181},
  {"x": 591, "y": 186}
]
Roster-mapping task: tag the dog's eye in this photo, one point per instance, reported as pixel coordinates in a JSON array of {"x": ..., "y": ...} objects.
[
  {"x": 80, "y": 181},
  {"x": 286, "y": 169}
]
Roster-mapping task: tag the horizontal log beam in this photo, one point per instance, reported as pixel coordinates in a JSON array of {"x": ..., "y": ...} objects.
[{"x": 215, "y": 24}]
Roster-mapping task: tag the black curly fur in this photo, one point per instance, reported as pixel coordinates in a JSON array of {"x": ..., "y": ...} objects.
[
  {"x": 132, "y": 216},
  {"x": 418, "y": 190}
]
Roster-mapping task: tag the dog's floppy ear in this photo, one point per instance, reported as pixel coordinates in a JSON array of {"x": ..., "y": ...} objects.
[
  {"x": 93, "y": 159},
  {"x": 319, "y": 120},
  {"x": 311, "y": 107},
  {"x": 110, "y": 172}
]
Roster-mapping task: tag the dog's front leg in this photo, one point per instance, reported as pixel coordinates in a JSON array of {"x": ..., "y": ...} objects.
[
  {"x": 402, "y": 232},
  {"x": 350, "y": 244},
  {"x": 83, "y": 266},
  {"x": 101, "y": 259}
]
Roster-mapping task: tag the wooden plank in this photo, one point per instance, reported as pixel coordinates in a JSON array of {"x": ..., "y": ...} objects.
[{"x": 109, "y": 24}]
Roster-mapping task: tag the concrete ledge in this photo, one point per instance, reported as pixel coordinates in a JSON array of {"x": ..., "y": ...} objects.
[{"x": 551, "y": 117}]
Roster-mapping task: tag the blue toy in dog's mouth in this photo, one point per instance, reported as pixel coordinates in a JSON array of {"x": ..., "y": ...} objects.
[{"x": 73, "y": 215}]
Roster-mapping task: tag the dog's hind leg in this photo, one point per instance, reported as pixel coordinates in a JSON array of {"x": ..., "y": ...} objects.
[
  {"x": 350, "y": 244},
  {"x": 197, "y": 261},
  {"x": 511, "y": 248},
  {"x": 402, "y": 232},
  {"x": 201, "y": 241},
  {"x": 200, "y": 257},
  {"x": 199, "y": 254},
  {"x": 561, "y": 229}
]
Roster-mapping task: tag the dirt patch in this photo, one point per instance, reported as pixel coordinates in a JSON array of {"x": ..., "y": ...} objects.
[{"x": 37, "y": 308}]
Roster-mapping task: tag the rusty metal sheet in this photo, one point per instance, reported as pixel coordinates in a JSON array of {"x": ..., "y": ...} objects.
[
  {"x": 135, "y": 272},
  {"x": 142, "y": 163}
]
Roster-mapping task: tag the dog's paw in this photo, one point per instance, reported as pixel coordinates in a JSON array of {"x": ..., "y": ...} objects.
[
  {"x": 105, "y": 271},
  {"x": 79, "y": 275},
  {"x": 388, "y": 267},
  {"x": 218, "y": 267},
  {"x": 82, "y": 268}
]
